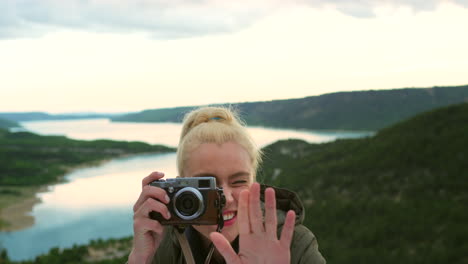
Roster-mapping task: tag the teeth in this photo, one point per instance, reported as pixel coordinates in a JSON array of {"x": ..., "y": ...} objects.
[{"x": 228, "y": 216}]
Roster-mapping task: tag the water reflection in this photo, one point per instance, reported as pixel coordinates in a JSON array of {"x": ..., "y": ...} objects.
[
  {"x": 265, "y": 136},
  {"x": 168, "y": 133},
  {"x": 90, "y": 129},
  {"x": 116, "y": 183},
  {"x": 65, "y": 228}
]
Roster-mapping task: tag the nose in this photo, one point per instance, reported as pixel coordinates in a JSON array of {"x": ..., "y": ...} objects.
[{"x": 228, "y": 195}]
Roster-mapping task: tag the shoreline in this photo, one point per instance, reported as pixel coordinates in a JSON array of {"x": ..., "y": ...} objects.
[
  {"x": 18, "y": 202},
  {"x": 15, "y": 212}
]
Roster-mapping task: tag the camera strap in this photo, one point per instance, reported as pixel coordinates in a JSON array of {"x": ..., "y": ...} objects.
[
  {"x": 185, "y": 246},
  {"x": 179, "y": 231},
  {"x": 218, "y": 229}
]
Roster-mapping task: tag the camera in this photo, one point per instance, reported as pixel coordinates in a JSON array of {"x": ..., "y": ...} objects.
[{"x": 193, "y": 201}]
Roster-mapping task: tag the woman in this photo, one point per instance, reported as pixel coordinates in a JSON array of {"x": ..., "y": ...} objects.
[{"x": 214, "y": 143}]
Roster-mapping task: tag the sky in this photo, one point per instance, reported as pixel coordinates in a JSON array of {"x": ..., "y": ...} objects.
[{"x": 109, "y": 56}]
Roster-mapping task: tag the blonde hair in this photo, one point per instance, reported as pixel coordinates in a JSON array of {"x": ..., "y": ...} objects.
[{"x": 214, "y": 125}]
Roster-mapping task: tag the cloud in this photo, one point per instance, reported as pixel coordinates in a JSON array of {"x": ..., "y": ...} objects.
[
  {"x": 463, "y": 3},
  {"x": 165, "y": 18},
  {"x": 366, "y": 8}
]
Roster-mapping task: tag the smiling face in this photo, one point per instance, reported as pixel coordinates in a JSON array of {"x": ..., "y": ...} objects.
[{"x": 232, "y": 167}]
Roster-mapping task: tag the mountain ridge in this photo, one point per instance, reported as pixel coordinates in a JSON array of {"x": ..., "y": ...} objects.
[
  {"x": 35, "y": 116},
  {"x": 355, "y": 110}
]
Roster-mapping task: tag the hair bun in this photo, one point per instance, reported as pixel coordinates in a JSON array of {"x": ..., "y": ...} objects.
[{"x": 209, "y": 114}]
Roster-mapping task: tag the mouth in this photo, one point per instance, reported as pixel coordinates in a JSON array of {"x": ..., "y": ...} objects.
[{"x": 229, "y": 217}]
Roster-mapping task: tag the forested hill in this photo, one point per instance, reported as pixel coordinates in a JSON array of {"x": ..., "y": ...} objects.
[
  {"x": 29, "y": 159},
  {"x": 397, "y": 197},
  {"x": 358, "y": 110},
  {"x": 7, "y": 123}
]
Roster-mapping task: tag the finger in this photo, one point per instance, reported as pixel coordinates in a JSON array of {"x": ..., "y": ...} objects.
[
  {"x": 243, "y": 213},
  {"x": 288, "y": 229},
  {"x": 144, "y": 225},
  {"x": 155, "y": 175},
  {"x": 151, "y": 192},
  {"x": 270, "y": 214},
  {"x": 224, "y": 248},
  {"x": 152, "y": 205},
  {"x": 255, "y": 210}
]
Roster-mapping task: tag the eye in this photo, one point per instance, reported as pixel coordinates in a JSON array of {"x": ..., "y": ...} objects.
[{"x": 238, "y": 182}]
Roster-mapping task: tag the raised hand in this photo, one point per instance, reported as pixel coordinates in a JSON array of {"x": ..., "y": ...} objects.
[
  {"x": 148, "y": 233},
  {"x": 258, "y": 238}
]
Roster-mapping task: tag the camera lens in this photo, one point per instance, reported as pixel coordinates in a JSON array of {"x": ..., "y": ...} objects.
[{"x": 188, "y": 203}]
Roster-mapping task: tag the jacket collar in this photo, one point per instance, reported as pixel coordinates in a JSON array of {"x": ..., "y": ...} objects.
[{"x": 285, "y": 200}]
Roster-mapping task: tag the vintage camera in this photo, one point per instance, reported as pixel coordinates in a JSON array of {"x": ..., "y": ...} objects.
[{"x": 194, "y": 201}]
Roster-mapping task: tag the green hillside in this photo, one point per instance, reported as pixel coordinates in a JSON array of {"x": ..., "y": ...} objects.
[
  {"x": 4, "y": 123},
  {"x": 358, "y": 110},
  {"x": 27, "y": 158},
  {"x": 398, "y": 197},
  {"x": 175, "y": 114}
]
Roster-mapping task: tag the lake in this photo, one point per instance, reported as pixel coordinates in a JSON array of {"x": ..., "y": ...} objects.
[{"x": 96, "y": 202}]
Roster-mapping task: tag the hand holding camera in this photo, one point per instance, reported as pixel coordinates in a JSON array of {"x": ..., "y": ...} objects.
[
  {"x": 148, "y": 233},
  {"x": 179, "y": 201}
]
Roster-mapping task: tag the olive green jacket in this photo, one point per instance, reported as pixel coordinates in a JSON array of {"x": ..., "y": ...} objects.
[{"x": 304, "y": 246}]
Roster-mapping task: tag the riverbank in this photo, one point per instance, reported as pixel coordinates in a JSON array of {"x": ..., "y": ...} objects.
[
  {"x": 17, "y": 202},
  {"x": 16, "y": 205},
  {"x": 30, "y": 163}
]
